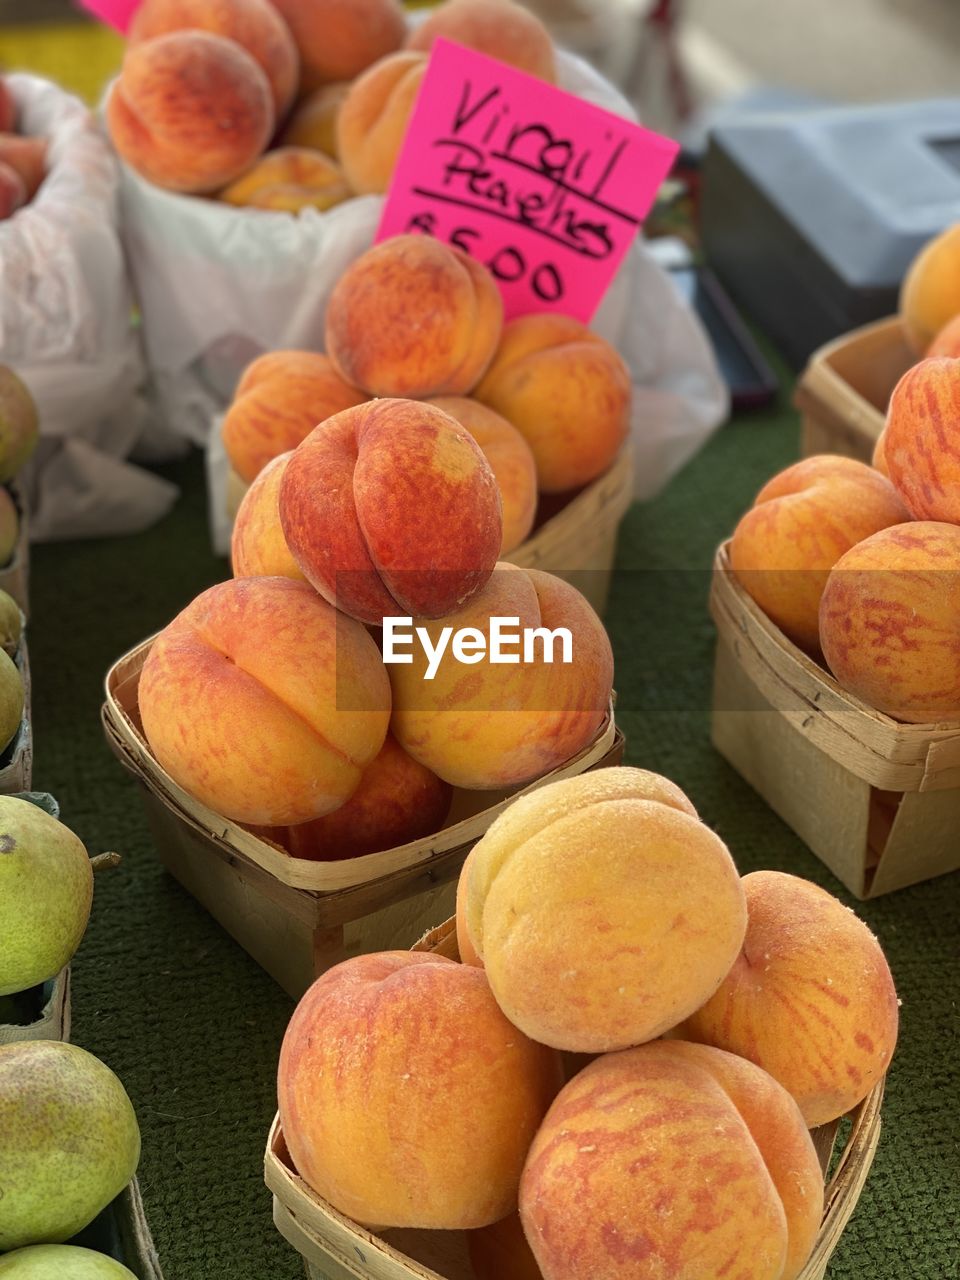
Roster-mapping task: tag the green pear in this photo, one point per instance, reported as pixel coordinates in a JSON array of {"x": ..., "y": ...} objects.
[
  {"x": 46, "y": 889},
  {"x": 61, "y": 1262},
  {"x": 19, "y": 424},
  {"x": 9, "y": 526},
  {"x": 11, "y": 623},
  {"x": 70, "y": 1141},
  {"x": 12, "y": 699}
]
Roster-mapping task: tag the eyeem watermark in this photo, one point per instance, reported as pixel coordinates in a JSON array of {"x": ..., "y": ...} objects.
[{"x": 506, "y": 643}]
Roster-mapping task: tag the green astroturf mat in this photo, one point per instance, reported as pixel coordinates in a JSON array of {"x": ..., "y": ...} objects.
[{"x": 193, "y": 1027}]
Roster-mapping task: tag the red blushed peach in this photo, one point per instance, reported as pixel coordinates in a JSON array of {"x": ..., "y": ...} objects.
[
  {"x": 921, "y": 447},
  {"x": 314, "y": 123},
  {"x": 390, "y": 508},
  {"x": 373, "y": 118},
  {"x": 26, "y": 157},
  {"x": 191, "y": 111},
  {"x": 801, "y": 523},
  {"x": 498, "y": 28},
  {"x": 396, "y": 802},
  {"x": 879, "y": 461},
  {"x": 672, "y": 1159},
  {"x": 810, "y": 998},
  {"x": 288, "y": 180},
  {"x": 258, "y": 548},
  {"x": 263, "y": 703},
  {"x": 338, "y": 39},
  {"x": 255, "y": 25},
  {"x": 890, "y": 621},
  {"x": 407, "y": 1099}
]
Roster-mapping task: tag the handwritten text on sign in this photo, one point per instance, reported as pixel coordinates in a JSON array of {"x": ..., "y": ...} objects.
[
  {"x": 544, "y": 188},
  {"x": 118, "y": 13}
]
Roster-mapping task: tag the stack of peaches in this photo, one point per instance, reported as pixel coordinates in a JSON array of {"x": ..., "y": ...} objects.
[
  {"x": 619, "y": 1078},
  {"x": 288, "y": 104},
  {"x": 23, "y": 161}
]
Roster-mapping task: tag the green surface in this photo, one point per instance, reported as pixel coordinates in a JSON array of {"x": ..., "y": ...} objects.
[{"x": 193, "y": 1027}]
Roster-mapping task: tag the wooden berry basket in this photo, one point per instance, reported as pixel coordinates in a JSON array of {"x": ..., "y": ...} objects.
[
  {"x": 15, "y": 576},
  {"x": 16, "y": 762},
  {"x": 294, "y": 916},
  {"x": 845, "y": 389},
  {"x": 335, "y": 1248},
  {"x": 876, "y": 800},
  {"x": 46, "y": 1015},
  {"x": 577, "y": 543}
]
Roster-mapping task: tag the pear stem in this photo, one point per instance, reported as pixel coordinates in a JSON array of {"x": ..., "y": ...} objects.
[{"x": 105, "y": 861}]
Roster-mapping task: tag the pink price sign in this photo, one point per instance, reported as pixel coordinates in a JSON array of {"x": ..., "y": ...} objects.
[
  {"x": 546, "y": 189},
  {"x": 117, "y": 13}
]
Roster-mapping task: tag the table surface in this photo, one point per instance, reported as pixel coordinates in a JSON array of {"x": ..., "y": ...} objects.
[{"x": 193, "y": 1027}]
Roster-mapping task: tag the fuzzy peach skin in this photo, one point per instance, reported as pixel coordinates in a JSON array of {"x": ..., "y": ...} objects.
[
  {"x": 407, "y": 1099},
  {"x": 510, "y": 458},
  {"x": 498, "y": 28},
  {"x": 390, "y": 508},
  {"x": 373, "y": 118},
  {"x": 890, "y": 622},
  {"x": 26, "y": 157},
  {"x": 314, "y": 123},
  {"x": 280, "y": 399},
  {"x": 501, "y": 1252},
  {"x": 263, "y": 703},
  {"x": 672, "y": 1160},
  {"x": 879, "y": 461},
  {"x": 396, "y": 802},
  {"x": 947, "y": 341},
  {"x": 338, "y": 39},
  {"x": 930, "y": 293},
  {"x": 413, "y": 317},
  {"x": 258, "y": 548},
  {"x": 191, "y": 111},
  {"x": 468, "y": 952},
  {"x": 254, "y": 24},
  {"x": 288, "y": 180},
  {"x": 922, "y": 439},
  {"x": 801, "y": 523},
  {"x": 652, "y": 888},
  {"x": 487, "y": 726},
  {"x": 810, "y": 998},
  {"x": 567, "y": 391}
]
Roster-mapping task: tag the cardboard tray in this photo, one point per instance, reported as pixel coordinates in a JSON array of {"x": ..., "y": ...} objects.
[
  {"x": 15, "y": 576},
  {"x": 16, "y": 762},
  {"x": 40, "y": 1014}
]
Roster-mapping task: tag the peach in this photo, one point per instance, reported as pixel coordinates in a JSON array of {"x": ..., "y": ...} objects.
[
  {"x": 498, "y": 28},
  {"x": 258, "y": 548},
  {"x": 413, "y": 317},
  {"x": 191, "y": 111},
  {"x": 879, "y": 460},
  {"x": 13, "y": 193},
  {"x": 373, "y": 118},
  {"x": 672, "y": 1159},
  {"x": 930, "y": 293},
  {"x": 468, "y": 952},
  {"x": 338, "y": 39},
  {"x": 890, "y": 621},
  {"x": 920, "y": 439},
  {"x": 947, "y": 341},
  {"x": 255, "y": 25},
  {"x": 8, "y": 109},
  {"x": 281, "y": 398},
  {"x": 396, "y": 802},
  {"x": 314, "y": 123},
  {"x": 263, "y": 703},
  {"x": 487, "y": 726},
  {"x": 801, "y": 523},
  {"x": 501, "y": 1252},
  {"x": 810, "y": 998},
  {"x": 511, "y": 461},
  {"x": 603, "y": 910},
  {"x": 9, "y": 527},
  {"x": 407, "y": 1099},
  {"x": 28, "y": 158},
  {"x": 390, "y": 508},
  {"x": 567, "y": 392},
  {"x": 289, "y": 179}
]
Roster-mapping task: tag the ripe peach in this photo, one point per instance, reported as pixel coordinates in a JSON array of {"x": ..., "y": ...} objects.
[
  {"x": 191, "y": 111},
  {"x": 279, "y": 400},
  {"x": 468, "y": 952},
  {"x": 947, "y": 341},
  {"x": 501, "y": 1252},
  {"x": 487, "y": 726},
  {"x": 338, "y": 39},
  {"x": 930, "y": 294},
  {"x": 28, "y": 158},
  {"x": 407, "y": 1099},
  {"x": 810, "y": 998},
  {"x": 672, "y": 1159},
  {"x": 264, "y": 703},
  {"x": 391, "y": 508},
  {"x": 13, "y": 193},
  {"x": 890, "y": 621},
  {"x": 413, "y": 317},
  {"x": 258, "y": 548},
  {"x": 511, "y": 461},
  {"x": 314, "y": 123},
  {"x": 801, "y": 523},
  {"x": 289, "y": 179},
  {"x": 567, "y": 392},
  {"x": 879, "y": 460},
  {"x": 498, "y": 28},
  {"x": 373, "y": 118},
  {"x": 396, "y": 802},
  {"x": 920, "y": 448},
  {"x": 255, "y": 25}
]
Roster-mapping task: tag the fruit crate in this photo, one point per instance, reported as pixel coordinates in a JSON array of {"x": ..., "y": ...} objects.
[
  {"x": 298, "y": 917},
  {"x": 15, "y": 576},
  {"x": 16, "y": 761},
  {"x": 42, "y": 1013},
  {"x": 876, "y": 800},
  {"x": 576, "y": 541},
  {"x": 335, "y": 1248},
  {"x": 121, "y": 1232},
  {"x": 844, "y": 391}
]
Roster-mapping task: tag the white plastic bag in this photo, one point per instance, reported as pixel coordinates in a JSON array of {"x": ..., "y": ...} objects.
[{"x": 65, "y": 327}]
